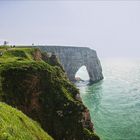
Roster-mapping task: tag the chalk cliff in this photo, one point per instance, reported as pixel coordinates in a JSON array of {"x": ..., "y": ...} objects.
[{"x": 72, "y": 58}]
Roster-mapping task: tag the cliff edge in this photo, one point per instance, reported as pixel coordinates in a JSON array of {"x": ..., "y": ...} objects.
[{"x": 36, "y": 84}]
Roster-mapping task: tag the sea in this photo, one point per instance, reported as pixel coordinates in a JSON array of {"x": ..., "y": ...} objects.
[{"x": 114, "y": 102}]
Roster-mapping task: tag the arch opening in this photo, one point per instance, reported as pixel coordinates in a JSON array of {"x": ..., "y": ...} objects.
[{"x": 82, "y": 74}]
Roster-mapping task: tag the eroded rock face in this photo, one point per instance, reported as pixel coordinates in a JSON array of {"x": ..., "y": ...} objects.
[
  {"x": 72, "y": 58},
  {"x": 44, "y": 94}
]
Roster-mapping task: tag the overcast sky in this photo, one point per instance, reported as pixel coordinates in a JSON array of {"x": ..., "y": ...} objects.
[{"x": 111, "y": 28}]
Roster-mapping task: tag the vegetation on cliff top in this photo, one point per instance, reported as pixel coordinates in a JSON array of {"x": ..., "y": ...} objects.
[
  {"x": 15, "y": 54},
  {"x": 14, "y": 125},
  {"x": 30, "y": 83}
]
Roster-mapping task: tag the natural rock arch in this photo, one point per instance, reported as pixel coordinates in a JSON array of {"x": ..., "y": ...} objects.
[
  {"x": 72, "y": 58},
  {"x": 82, "y": 74}
]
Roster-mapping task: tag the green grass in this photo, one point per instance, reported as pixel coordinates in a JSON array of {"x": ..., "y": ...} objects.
[
  {"x": 16, "y": 54},
  {"x": 14, "y": 125}
]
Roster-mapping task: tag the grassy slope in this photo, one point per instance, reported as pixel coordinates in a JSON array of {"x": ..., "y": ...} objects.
[{"x": 14, "y": 125}]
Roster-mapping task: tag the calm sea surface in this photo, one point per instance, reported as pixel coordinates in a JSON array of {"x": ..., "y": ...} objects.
[{"x": 114, "y": 103}]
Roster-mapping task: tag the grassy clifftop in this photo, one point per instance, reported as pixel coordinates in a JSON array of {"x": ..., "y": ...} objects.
[
  {"x": 15, "y": 54},
  {"x": 14, "y": 125},
  {"x": 36, "y": 84}
]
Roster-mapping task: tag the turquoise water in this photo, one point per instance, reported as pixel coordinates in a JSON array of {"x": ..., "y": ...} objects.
[{"x": 114, "y": 103}]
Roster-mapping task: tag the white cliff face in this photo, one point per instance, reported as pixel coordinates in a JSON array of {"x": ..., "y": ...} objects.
[{"x": 72, "y": 58}]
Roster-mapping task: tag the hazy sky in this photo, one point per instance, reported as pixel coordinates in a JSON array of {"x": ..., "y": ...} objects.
[{"x": 110, "y": 27}]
